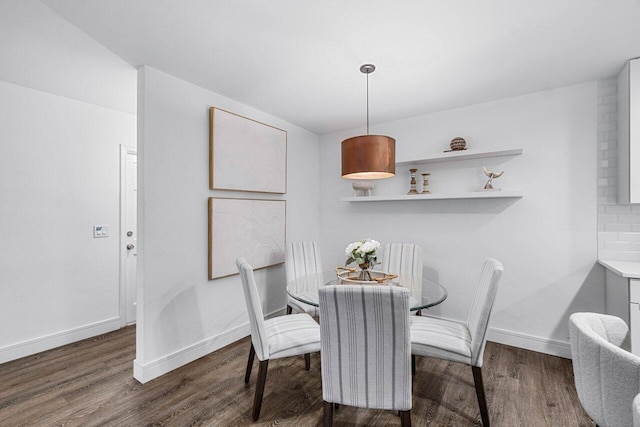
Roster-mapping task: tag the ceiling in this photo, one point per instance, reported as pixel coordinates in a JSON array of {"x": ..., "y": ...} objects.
[{"x": 299, "y": 59}]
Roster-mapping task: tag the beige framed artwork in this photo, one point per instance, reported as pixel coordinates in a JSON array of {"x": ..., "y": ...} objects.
[
  {"x": 249, "y": 228},
  {"x": 246, "y": 155}
]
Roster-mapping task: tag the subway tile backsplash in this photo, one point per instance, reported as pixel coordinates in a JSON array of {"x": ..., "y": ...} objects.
[{"x": 618, "y": 225}]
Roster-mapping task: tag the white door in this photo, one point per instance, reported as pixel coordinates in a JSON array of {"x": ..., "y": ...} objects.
[{"x": 130, "y": 237}]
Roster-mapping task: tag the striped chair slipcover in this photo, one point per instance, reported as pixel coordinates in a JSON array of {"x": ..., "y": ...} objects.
[
  {"x": 276, "y": 337},
  {"x": 606, "y": 373},
  {"x": 457, "y": 342},
  {"x": 366, "y": 351},
  {"x": 301, "y": 258},
  {"x": 403, "y": 259}
]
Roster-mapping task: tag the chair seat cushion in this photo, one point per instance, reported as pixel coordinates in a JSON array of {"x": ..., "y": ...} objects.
[
  {"x": 292, "y": 335},
  {"x": 440, "y": 338}
]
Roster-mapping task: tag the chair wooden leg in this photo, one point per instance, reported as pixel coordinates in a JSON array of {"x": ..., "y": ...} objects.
[
  {"x": 327, "y": 417},
  {"x": 307, "y": 361},
  {"x": 405, "y": 418},
  {"x": 262, "y": 378},
  {"x": 252, "y": 353},
  {"x": 482, "y": 401},
  {"x": 289, "y": 309},
  {"x": 413, "y": 364}
]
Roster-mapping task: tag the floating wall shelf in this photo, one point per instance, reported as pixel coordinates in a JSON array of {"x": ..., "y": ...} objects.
[
  {"x": 448, "y": 157},
  {"x": 469, "y": 195},
  {"x": 462, "y": 155}
]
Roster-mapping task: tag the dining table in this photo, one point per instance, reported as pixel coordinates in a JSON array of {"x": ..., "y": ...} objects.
[{"x": 424, "y": 293}]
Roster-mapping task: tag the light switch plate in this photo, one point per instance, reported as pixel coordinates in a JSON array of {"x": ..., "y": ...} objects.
[{"x": 100, "y": 231}]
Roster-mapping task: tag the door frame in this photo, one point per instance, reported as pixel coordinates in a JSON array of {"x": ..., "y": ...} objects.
[{"x": 124, "y": 150}]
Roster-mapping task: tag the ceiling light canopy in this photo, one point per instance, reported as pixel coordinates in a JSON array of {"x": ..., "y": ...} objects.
[{"x": 368, "y": 156}]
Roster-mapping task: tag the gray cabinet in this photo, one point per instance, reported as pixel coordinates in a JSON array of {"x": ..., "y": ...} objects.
[{"x": 629, "y": 133}]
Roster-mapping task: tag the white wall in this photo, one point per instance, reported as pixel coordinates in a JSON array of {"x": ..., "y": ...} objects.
[
  {"x": 181, "y": 314},
  {"x": 66, "y": 104},
  {"x": 546, "y": 240}
]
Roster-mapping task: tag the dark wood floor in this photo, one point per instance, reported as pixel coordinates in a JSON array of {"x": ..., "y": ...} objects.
[{"x": 90, "y": 383}]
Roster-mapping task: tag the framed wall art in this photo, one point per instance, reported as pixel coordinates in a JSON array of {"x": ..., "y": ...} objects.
[
  {"x": 249, "y": 228},
  {"x": 246, "y": 155}
]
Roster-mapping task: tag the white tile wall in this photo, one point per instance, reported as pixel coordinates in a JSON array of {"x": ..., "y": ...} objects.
[{"x": 618, "y": 225}]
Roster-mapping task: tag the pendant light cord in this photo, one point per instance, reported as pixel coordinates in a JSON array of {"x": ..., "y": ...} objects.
[{"x": 367, "y": 103}]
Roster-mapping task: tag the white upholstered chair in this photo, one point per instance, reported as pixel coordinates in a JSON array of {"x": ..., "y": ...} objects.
[
  {"x": 301, "y": 258},
  {"x": 401, "y": 258},
  {"x": 274, "y": 338},
  {"x": 459, "y": 342},
  {"x": 366, "y": 352},
  {"x": 607, "y": 375}
]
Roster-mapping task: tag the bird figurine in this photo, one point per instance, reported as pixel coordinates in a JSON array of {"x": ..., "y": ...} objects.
[{"x": 491, "y": 175}]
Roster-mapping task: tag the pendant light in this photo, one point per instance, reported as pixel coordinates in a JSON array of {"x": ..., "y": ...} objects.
[{"x": 368, "y": 156}]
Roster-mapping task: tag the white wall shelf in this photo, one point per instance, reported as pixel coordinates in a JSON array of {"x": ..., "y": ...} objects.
[
  {"x": 462, "y": 155},
  {"x": 436, "y": 196},
  {"x": 448, "y": 157}
]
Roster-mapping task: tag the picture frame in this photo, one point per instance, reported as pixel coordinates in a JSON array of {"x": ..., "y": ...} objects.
[
  {"x": 251, "y": 228},
  {"x": 245, "y": 154}
]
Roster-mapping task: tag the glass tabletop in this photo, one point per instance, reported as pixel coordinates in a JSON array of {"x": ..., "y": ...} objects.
[{"x": 424, "y": 292}]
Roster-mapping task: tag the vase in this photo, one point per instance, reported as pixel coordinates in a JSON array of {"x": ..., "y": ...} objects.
[{"x": 364, "y": 272}]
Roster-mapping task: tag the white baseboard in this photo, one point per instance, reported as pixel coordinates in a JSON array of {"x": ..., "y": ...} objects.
[
  {"x": 149, "y": 371},
  {"x": 47, "y": 342},
  {"x": 530, "y": 342}
]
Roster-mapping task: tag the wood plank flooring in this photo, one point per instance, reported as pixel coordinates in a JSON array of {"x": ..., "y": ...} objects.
[{"x": 90, "y": 383}]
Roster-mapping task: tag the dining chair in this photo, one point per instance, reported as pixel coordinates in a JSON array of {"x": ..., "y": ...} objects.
[
  {"x": 404, "y": 259},
  {"x": 606, "y": 373},
  {"x": 458, "y": 342},
  {"x": 301, "y": 258},
  {"x": 274, "y": 338},
  {"x": 365, "y": 348},
  {"x": 401, "y": 258}
]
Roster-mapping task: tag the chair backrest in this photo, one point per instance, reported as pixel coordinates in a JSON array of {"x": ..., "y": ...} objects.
[
  {"x": 478, "y": 321},
  {"x": 302, "y": 258},
  {"x": 402, "y": 259},
  {"x": 365, "y": 346},
  {"x": 254, "y": 309},
  {"x": 607, "y": 377}
]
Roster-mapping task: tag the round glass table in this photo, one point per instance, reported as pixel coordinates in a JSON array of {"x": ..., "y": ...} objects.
[{"x": 424, "y": 292}]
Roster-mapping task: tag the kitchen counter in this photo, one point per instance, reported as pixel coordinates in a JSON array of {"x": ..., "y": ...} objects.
[{"x": 629, "y": 269}]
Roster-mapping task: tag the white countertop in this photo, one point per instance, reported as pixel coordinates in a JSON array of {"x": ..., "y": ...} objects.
[{"x": 628, "y": 269}]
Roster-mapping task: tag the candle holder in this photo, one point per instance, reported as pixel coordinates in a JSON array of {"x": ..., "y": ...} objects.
[
  {"x": 413, "y": 182},
  {"x": 425, "y": 183}
]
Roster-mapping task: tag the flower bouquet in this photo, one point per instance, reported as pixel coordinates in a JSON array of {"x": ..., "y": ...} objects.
[{"x": 363, "y": 253}]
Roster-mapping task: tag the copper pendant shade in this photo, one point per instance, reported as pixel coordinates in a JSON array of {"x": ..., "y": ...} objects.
[{"x": 368, "y": 156}]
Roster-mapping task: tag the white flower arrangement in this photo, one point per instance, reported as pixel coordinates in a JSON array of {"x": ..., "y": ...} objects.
[{"x": 362, "y": 252}]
